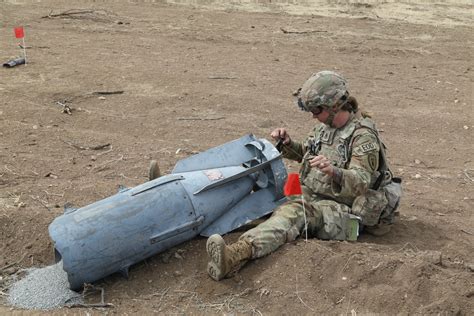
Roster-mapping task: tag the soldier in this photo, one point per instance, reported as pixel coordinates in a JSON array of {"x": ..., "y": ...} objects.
[{"x": 344, "y": 176}]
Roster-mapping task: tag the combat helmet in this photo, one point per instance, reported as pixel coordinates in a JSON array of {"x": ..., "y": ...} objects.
[{"x": 323, "y": 89}]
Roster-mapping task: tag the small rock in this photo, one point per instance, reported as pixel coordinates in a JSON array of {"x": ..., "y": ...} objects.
[
  {"x": 93, "y": 158},
  {"x": 101, "y": 98},
  {"x": 35, "y": 126},
  {"x": 434, "y": 257},
  {"x": 456, "y": 101},
  {"x": 177, "y": 273},
  {"x": 417, "y": 176},
  {"x": 417, "y": 161},
  {"x": 178, "y": 256},
  {"x": 470, "y": 266},
  {"x": 465, "y": 127},
  {"x": 165, "y": 258}
]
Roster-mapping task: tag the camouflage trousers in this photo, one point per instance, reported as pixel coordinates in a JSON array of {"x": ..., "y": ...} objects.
[{"x": 326, "y": 219}]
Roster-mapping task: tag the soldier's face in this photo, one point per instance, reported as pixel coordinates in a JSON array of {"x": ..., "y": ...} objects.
[{"x": 321, "y": 116}]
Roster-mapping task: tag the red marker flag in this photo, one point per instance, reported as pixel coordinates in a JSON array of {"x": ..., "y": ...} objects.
[
  {"x": 19, "y": 33},
  {"x": 292, "y": 185}
]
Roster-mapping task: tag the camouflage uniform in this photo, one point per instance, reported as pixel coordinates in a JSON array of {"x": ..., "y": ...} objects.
[
  {"x": 360, "y": 190},
  {"x": 327, "y": 204}
]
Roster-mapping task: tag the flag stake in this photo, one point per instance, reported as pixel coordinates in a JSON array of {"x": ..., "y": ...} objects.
[
  {"x": 293, "y": 187},
  {"x": 24, "y": 49}
]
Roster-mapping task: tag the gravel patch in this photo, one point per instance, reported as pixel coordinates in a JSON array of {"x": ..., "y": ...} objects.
[{"x": 44, "y": 288}]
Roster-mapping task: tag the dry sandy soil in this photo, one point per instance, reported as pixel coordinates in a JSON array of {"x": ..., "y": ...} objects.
[{"x": 410, "y": 65}]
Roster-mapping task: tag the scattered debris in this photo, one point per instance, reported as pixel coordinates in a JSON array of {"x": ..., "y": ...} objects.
[
  {"x": 97, "y": 147},
  {"x": 107, "y": 92},
  {"x": 221, "y": 77},
  {"x": 84, "y": 14},
  {"x": 200, "y": 118},
  {"x": 50, "y": 175},
  {"x": 466, "y": 173},
  {"x": 14, "y": 62},
  {"x": 88, "y": 288},
  {"x": 66, "y": 108},
  {"x": 467, "y": 232},
  {"x": 13, "y": 263},
  {"x": 301, "y": 32}
]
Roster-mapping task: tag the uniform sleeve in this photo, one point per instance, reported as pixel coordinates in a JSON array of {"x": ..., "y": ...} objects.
[
  {"x": 364, "y": 163},
  {"x": 293, "y": 151},
  {"x": 297, "y": 150}
]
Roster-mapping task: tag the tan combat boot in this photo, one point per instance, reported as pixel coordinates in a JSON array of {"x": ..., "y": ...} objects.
[
  {"x": 378, "y": 230},
  {"x": 226, "y": 259},
  {"x": 154, "y": 170}
]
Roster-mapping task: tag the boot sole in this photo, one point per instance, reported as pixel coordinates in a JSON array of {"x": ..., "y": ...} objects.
[{"x": 215, "y": 247}]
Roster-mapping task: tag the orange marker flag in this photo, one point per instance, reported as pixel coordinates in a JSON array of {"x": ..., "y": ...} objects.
[
  {"x": 19, "y": 32},
  {"x": 292, "y": 185}
]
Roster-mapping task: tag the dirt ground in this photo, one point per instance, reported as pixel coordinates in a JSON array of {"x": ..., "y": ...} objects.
[{"x": 196, "y": 76}]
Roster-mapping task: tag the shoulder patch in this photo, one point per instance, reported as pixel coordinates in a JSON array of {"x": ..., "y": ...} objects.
[
  {"x": 373, "y": 162},
  {"x": 366, "y": 147}
]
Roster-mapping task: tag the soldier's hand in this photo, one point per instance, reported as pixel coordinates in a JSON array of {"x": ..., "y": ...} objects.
[
  {"x": 323, "y": 164},
  {"x": 281, "y": 133}
]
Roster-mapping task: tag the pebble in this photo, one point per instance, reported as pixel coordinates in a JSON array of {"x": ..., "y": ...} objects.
[
  {"x": 417, "y": 176},
  {"x": 465, "y": 127},
  {"x": 470, "y": 267},
  {"x": 434, "y": 257}
]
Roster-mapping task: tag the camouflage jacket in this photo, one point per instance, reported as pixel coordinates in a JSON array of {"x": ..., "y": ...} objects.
[{"x": 354, "y": 148}]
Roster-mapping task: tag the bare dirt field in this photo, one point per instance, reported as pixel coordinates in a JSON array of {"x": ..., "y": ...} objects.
[{"x": 197, "y": 75}]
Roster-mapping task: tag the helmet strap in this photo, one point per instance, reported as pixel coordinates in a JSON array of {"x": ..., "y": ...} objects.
[{"x": 330, "y": 119}]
